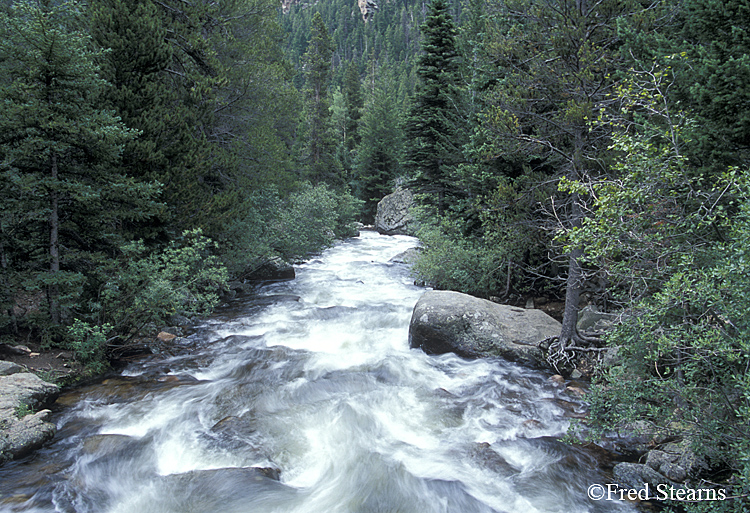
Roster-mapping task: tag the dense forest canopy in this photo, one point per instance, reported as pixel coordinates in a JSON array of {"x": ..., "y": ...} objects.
[{"x": 587, "y": 152}]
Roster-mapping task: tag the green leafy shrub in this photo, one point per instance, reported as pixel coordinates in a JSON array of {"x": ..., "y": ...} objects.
[
  {"x": 247, "y": 242},
  {"x": 483, "y": 248},
  {"x": 348, "y": 214},
  {"x": 683, "y": 362},
  {"x": 675, "y": 246},
  {"x": 88, "y": 344},
  {"x": 311, "y": 219},
  {"x": 452, "y": 262},
  {"x": 185, "y": 278}
]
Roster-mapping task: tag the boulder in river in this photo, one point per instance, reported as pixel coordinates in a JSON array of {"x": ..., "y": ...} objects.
[
  {"x": 445, "y": 321},
  {"x": 273, "y": 269},
  {"x": 393, "y": 216}
]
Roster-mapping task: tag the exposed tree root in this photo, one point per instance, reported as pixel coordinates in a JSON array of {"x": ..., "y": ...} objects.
[{"x": 562, "y": 353}]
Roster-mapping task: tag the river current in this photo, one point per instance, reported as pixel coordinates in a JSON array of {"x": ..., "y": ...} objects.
[{"x": 306, "y": 398}]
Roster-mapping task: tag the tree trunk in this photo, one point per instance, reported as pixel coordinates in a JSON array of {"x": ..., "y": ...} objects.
[
  {"x": 5, "y": 283},
  {"x": 53, "y": 291},
  {"x": 572, "y": 297},
  {"x": 575, "y": 276}
]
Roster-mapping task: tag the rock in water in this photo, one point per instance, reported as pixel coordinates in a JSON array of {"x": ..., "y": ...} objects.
[
  {"x": 393, "y": 217},
  {"x": 445, "y": 321},
  {"x": 24, "y": 393}
]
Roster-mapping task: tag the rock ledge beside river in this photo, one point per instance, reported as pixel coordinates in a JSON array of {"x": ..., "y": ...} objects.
[
  {"x": 23, "y": 394},
  {"x": 445, "y": 321}
]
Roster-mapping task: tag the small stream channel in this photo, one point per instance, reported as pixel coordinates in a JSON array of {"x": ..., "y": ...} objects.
[{"x": 306, "y": 398}]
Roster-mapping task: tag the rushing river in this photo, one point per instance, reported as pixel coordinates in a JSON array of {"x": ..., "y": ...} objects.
[{"x": 313, "y": 384}]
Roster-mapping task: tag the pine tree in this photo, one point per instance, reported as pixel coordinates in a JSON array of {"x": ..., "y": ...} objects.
[
  {"x": 379, "y": 151},
  {"x": 135, "y": 67},
  {"x": 208, "y": 88},
  {"x": 714, "y": 79},
  {"x": 354, "y": 105},
  {"x": 434, "y": 131},
  {"x": 57, "y": 150},
  {"x": 318, "y": 154}
]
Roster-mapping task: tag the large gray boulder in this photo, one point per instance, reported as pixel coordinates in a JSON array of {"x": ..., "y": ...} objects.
[
  {"x": 393, "y": 217},
  {"x": 445, "y": 321},
  {"x": 21, "y": 429}
]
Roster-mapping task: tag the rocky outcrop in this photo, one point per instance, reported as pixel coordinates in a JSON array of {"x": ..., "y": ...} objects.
[
  {"x": 591, "y": 319},
  {"x": 22, "y": 427},
  {"x": 672, "y": 464},
  {"x": 636, "y": 475},
  {"x": 286, "y": 5},
  {"x": 393, "y": 216},
  {"x": 367, "y": 8},
  {"x": 445, "y": 321}
]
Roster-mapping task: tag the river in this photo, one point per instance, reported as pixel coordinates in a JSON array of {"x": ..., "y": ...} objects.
[{"x": 306, "y": 398}]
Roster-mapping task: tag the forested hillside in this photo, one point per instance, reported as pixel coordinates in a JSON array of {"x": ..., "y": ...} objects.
[
  {"x": 145, "y": 152},
  {"x": 591, "y": 152}
]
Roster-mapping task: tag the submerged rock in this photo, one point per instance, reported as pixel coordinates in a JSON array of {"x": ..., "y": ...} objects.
[
  {"x": 445, "y": 321},
  {"x": 407, "y": 257},
  {"x": 222, "y": 489}
]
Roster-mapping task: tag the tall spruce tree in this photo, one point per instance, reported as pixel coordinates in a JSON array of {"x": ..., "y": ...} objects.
[
  {"x": 354, "y": 104},
  {"x": 434, "y": 132},
  {"x": 713, "y": 80},
  {"x": 135, "y": 67},
  {"x": 57, "y": 150},
  {"x": 319, "y": 150}
]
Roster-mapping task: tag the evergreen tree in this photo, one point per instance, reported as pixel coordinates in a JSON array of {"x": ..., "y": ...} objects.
[
  {"x": 434, "y": 132},
  {"x": 257, "y": 105},
  {"x": 378, "y": 153},
  {"x": 713, "y": 80},
  {"x": 318, "y": 154},
  {"x": 212, "y": 105},
  {"x": 354, "y": 105},
  {"x": 139, "y": 92},
  {"x": 57, "y": 150},
  {"x": 164, "y": 77}
]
